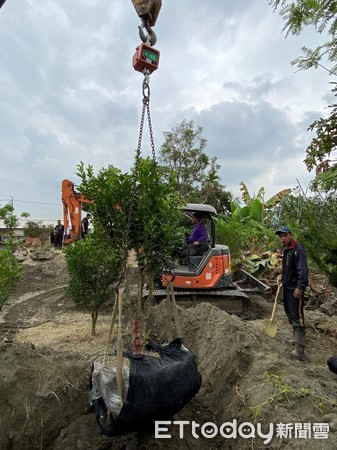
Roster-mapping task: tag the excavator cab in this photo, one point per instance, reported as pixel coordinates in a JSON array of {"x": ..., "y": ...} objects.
[
  {"x": 188, "y": 257},
  {"x": 209, "y": 270}
]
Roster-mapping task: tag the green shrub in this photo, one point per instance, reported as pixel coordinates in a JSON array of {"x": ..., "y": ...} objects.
[
  {"x": 94, "y": 266},
  {"x": 233, "y": 233},
  {"x": 243, "y": 238},
  {"x": 10, "y": 274}
]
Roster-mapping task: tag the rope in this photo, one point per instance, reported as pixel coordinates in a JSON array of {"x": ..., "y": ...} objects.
[
  {"x": 172, "y": 311},
  {"x": 119, "y": 361}
]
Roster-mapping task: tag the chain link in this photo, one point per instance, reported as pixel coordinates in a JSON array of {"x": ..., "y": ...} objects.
[
  {"x": 151, "y": 133},
  {"x": 146, "y": 85}
]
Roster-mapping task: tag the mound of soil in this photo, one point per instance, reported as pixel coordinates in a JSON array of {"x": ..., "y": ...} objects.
[{"x": 46, "y": 353}]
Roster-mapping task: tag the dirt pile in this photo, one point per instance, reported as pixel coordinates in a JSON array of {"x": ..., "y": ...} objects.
[{"x": 46, "y": 356}]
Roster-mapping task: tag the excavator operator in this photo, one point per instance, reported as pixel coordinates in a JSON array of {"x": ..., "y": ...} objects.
[{"x": 197, "y": 241}]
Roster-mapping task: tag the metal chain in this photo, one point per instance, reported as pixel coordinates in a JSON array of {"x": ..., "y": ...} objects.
[
  {"x": 146, "y": 102},
  {"x": 146, "y": 106},
  {"x": 132, "y": 198}
]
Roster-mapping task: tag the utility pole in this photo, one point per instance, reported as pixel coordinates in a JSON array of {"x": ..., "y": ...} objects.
[{"x": 11, "y": 219}]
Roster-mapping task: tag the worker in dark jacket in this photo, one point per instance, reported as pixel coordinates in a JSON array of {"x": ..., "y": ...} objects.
[
  {"x": 58, "y": 234},
  {"x": 294, "y": 281},
  {"x": 85, "y": 226}
]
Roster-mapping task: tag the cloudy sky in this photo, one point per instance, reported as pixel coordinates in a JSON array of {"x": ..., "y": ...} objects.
[{"x": 69, "y": 93}]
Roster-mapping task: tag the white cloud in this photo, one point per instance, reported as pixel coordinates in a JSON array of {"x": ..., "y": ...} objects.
[{"x": 69, "y": 93}]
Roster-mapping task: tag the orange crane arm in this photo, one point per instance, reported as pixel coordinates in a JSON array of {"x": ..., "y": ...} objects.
[{"x": 72, "y": 210}]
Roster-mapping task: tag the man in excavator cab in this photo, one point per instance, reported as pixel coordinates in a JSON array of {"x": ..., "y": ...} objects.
[{"x": 197, "y": 241}]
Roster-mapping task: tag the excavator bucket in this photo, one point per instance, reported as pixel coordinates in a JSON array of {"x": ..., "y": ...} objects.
[{"x": 147, "y": 10}]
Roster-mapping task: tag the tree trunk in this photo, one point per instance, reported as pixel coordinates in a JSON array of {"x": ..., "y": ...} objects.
[{"x": 94, "y": 316}]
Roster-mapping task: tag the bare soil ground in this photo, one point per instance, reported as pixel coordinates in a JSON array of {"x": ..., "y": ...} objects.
[{"x": 46, "y": 353}]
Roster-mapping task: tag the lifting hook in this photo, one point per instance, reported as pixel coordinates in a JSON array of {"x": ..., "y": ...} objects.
[
  {"x": 151, "y": 37},
  {"x": 148, "y": 11}
]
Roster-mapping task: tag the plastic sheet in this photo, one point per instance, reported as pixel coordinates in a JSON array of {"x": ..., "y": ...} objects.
[{"x": 158, "y": 387}]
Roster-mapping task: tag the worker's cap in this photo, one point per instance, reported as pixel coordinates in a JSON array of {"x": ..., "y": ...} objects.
[{"x": 285, "y": 230}]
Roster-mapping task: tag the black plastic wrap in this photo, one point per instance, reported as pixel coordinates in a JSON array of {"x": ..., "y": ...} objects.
[{"x": 158, "y": 388}]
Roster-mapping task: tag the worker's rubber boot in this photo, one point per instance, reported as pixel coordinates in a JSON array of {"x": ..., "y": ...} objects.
[
  {"x": 299, "y": 338},
  {"x": 290, "y": 341}
]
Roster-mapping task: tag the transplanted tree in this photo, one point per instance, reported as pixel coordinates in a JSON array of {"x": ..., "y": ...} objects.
[
  {"x": 155, "y": 230},
  {"x": 183, "y": 153},
  {"x": 96, "y": 263},
  {"x": 137, "y": 210}
]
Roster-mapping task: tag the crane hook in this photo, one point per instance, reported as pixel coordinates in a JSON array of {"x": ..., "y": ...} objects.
[{"x": 151, "y": 37}]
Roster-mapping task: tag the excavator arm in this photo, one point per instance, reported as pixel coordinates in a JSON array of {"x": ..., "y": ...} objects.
[{"x": 72, "y": 211}]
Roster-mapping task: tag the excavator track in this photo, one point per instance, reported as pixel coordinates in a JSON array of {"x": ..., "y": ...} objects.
[{"x": 233, "y": 301}]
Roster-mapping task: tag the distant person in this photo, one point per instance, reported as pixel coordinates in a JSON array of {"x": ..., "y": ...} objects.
[
  {"x": 294, "y": 281},
  {"x": 58, "y": 234},
  {"x": 85, "y": 226}
]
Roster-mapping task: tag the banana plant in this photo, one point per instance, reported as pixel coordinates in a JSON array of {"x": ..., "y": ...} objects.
[
  {"x": 256, "y": 263},
  {"x": 255, "y": 207}
]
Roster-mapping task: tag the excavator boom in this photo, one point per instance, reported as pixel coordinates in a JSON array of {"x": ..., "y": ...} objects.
[{"x": 72, "y": 211}]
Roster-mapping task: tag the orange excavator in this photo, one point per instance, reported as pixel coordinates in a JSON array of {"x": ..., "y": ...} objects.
[
  {"x": 72, "y": 211},
  {"x": 208, "y": 277}
]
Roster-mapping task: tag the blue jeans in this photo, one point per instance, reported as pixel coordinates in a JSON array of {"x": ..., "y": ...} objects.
[{"x": 293, "y": 307}]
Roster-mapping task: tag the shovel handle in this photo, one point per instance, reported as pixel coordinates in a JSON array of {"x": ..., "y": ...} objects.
[{"x": 275, "y": 301}]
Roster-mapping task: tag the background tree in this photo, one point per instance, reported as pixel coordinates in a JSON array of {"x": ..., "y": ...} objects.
[
  {"x": 10, "y": 270},
  {"x": 10, "y": 220},
  {"x": 320, "y": 150},
  {"x": 322, "y": 14},
  {"x": 212, "y": 191},
  {"x": 313, "y": 221},
  {"x": 183, "y": 154},
  {"x": 37, "y": 230},
  {"x": 318, "y": 214}
]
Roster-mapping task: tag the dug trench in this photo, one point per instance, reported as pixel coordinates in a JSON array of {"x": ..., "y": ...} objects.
[{"x": 46, "y": 353}]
